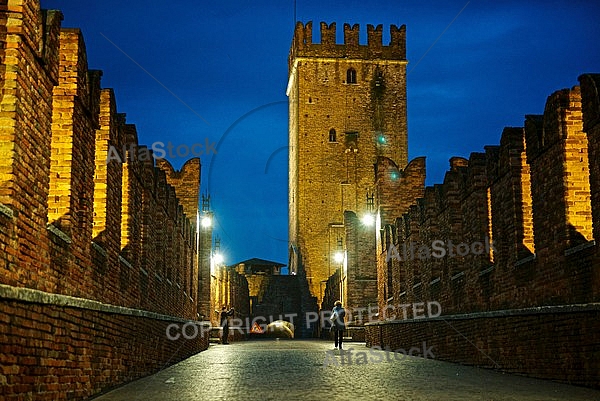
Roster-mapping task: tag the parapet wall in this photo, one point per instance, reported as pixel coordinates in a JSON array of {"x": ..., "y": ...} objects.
[
  {"x": 530, "y": 198},
  {"x": 515, "y": 230},
  {"x": 303, "y": 45},
  {"x": 97, "y": 255}
]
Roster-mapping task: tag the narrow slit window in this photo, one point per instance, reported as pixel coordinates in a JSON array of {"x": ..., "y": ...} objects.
[
  {"x": 332, "y": 135},
  {"x": 351, "y": 76}
]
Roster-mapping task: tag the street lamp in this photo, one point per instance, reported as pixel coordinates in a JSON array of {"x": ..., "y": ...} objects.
[
  {"x": 368, "y": 219},
  {"x": 206, "y": 221},
  {"x": 218, "y": 259}
]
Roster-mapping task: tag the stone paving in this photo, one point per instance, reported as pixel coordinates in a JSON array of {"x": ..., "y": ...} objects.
[{"x": 295, "y": 370}]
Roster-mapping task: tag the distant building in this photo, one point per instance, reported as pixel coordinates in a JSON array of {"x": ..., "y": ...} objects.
[
  {"x": 258, "y": 266},
  {"x": 347, "y": 109},
  {"x": 257, "y": 272}
]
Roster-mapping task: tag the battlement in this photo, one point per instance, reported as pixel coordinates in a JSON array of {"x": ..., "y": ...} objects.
[{"x": 303, "y": 45}]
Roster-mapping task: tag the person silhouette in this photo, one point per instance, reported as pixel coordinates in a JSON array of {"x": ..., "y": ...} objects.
[
  {"x": 337, "y": 319},
  {"x": 225, "y": 323}
]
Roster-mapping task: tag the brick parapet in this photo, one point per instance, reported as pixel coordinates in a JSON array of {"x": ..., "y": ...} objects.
[
  {"x": 30, "y": 47},
  {"x": 107, "y": 338},
  {"x": 590, "y": 99},
  {"x": 96, "y": 240},
  {"x": 504, "y": 195},
  {"x": 495, "y": 343},
  {"x": 304, "y": 46},
  {"x": 535, "y": 195}
]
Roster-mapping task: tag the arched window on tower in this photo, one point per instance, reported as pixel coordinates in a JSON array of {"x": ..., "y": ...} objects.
[
  {"x": 351, "y": 76},
  {"x": 332, "y": 135}
]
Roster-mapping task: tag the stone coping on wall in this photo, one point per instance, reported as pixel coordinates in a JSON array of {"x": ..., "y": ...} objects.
[
  {"x": 59, "y": 233},
  {"x": 99, "y": 249},
  {"x": 7, "y": 211},
  {"x": 580, "y": 247},
  {"x": 125, "y": 262},
  {"x": 29, "y": 295},
  {"x": 537, "y": 310}
]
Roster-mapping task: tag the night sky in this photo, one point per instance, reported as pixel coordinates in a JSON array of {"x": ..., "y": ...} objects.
[{"x": 189, "y": 72}]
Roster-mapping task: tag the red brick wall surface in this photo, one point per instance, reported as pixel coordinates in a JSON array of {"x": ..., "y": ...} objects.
[
  {"x": 74, "y": 225},
  {"x": 560, "y": 346},
  {"x": 535, "y": 197},
  {"x": 51, "y": 352}
]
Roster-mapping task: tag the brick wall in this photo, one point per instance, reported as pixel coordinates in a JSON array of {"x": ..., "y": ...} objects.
[
  {"x": 338, "y": 129},
  {"x": 28, "y": 74},
  {"x": 534, "y": 197},
  {"x": 510, "y": 213},
  {"x": 333, "y": 290},
  {"x": 229, "y": 289},
  {"x": 55, "y": 348},
  {"x": 590, "y": 93},
  {"x": 187, "y": 194},
  {"x": 97, "y": 253},
  {"x": 108, "y": 177},
  {"x": 396, "y": 190},
  {"x": 205, "y": 307},
  {"x": 75, "y": 110},
  {"x": 547, "y": 343},
  {"x": 359, "y": 274}
]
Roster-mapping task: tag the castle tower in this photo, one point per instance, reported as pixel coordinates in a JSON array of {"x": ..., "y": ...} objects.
[{"x": 347, "y": 106}]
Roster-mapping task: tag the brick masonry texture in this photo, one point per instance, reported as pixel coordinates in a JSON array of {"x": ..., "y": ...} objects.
[
  {"x": 229, "y": 289},
  {"x": 562, "y": 346},
  {"x": 535, "y": 196},
  {"x": 76, "y": 225},
  {"x": 347, "y": 108},
  {"x": 53, "y": 352}
]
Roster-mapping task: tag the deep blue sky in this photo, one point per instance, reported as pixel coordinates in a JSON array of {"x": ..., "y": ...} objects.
[{"x": 225, "y": 60}]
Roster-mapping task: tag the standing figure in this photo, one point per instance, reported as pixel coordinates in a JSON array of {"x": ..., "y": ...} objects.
[
  {"x": 337, "y": 319},
  {"x": 225, "y": 323}
]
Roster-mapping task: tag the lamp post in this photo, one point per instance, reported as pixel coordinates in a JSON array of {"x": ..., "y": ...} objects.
[
  {"x": 338, "y": 257},
  {"x": 368, "y": 218},
  {"x": 217, "y": 259},
  {"x": 204, "y": 230}
]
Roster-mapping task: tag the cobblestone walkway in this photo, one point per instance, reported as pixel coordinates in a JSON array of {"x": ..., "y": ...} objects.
[{"x": 294, "y": 370}]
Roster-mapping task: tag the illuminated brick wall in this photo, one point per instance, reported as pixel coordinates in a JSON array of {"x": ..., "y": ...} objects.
[
  {"x": 347, "y": 107},
  {"x": 97, "y": 258},
  {"x": 535, "y": 196}
]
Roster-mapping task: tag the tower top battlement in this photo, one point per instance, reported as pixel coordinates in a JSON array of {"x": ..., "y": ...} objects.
[{"x": 303, "y": 46}]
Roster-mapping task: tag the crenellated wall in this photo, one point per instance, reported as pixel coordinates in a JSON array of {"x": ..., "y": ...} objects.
[
  {"x": 98, "y": 253},
  {"x": 347, "y": 109},
  {"x": 590, "y": 94},
  {"x": 304, "y": 46},
  {"x": 75, "y": 112},
  {"x": 30, "y": 63},
  {"x": 187, "y": 194},
  {"x": 516, "y": 224},
  {"x": 510, "y": 213},
  {"x": 108, "y": 181}
]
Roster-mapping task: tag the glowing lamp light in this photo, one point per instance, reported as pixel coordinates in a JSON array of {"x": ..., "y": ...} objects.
[
  {"x": 394, "y": 175},
  {"x": 368, "y": 220},
  {"x": 338, "y": 257},
  {"x": 218, "y": 258},
  {"x": 206, "y": 221},
  {"x": 381, "y": 140}
]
